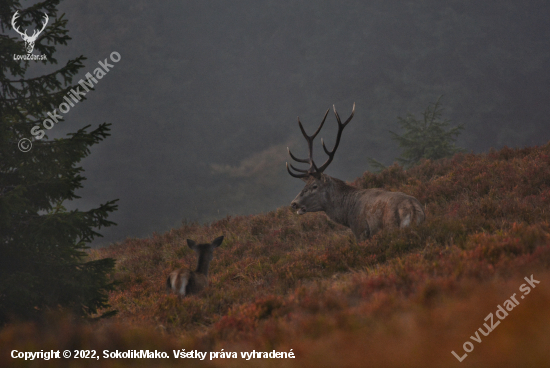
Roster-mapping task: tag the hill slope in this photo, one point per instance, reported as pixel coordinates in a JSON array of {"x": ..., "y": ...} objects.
[{"x": 404, "y": 298}]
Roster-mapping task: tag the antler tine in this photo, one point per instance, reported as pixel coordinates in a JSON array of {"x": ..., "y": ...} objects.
[
  {"x": 338, "y": 116},
  {"x": 296, "y": 169},
  {"x": 299, "y": 176},
  {"x": 295, "y": 158},
  {"x": 309, "y": 140},
  {"x": 318, "y": 129},
  {"x": 338, "y": 136}
]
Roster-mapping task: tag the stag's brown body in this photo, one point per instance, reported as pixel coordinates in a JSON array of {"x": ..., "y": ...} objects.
[{"x": 364, "y": 211}]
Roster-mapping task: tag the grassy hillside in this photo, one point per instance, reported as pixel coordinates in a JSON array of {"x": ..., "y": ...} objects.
[{"x": 404, "y": 298}]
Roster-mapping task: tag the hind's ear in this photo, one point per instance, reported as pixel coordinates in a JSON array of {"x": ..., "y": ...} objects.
[
  {"x": 192, "y": 244},
  {"x": 218, "y": 241}
]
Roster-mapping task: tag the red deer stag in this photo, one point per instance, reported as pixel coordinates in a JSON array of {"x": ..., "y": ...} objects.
[
  {"x": 185, "y": 282},
  {"x": 365, "y": 211}
]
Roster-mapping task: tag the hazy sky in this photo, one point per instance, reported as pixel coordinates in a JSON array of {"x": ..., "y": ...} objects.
[{"x": 205, "y": 98}]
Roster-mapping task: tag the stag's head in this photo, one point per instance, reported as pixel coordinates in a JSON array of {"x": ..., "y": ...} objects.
[
  {"x": 315, "y": 194},
  {"x": 29, "y": 40}
]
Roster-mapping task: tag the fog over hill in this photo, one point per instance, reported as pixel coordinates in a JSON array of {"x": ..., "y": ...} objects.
[{"x": 205, "y": 97}]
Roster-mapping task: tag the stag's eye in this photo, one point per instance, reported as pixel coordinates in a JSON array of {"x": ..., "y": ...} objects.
[{"x": 314, "y": 187}]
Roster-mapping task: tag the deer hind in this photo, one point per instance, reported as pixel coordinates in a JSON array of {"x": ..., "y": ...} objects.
[
  {"x": 365, "y": 211},
  {"x": 185, "y": 282},
  {"x": 29, "y": 40}
]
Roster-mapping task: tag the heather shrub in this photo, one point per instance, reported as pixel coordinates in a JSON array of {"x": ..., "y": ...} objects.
[{"x": 405, "y": 297}]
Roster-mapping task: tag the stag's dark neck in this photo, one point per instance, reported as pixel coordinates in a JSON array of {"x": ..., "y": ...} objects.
[
  {"x": 203, "y": 264},
  {"x": 341, "y": 201}
]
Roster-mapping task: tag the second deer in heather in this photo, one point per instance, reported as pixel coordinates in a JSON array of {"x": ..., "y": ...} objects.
[{"x": 184, "y": 281}]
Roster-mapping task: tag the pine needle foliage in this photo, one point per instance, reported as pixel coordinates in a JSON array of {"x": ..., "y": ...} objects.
[
  {"x": 431, "y": 137},
  {"x": 43, "y": 263}
]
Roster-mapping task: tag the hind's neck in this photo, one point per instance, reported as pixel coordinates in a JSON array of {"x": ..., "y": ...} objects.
[{"x": 203, "y": 264}]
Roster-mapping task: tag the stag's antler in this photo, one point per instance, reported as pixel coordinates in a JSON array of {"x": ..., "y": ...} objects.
[
  {"x": 340, "y": 130},
  {"x": 309, "y": 139},
  {"x": 313, "y": 169}
]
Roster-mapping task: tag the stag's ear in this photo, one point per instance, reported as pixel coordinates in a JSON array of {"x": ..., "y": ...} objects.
[
  {"x": 191, "y": 244},
  {"x": 218, "y": 241},
  {"x": 305, "y": 179}
]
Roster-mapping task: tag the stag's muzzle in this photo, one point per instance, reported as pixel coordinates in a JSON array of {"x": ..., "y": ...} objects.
[{"x": 300, "y": 210}]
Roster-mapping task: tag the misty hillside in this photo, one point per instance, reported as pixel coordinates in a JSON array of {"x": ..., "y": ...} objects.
[
  {"x": 205, "y": 98},
  {"x": 403, "y": 298}
]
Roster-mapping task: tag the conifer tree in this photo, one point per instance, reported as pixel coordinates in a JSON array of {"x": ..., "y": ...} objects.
[
  {"x": 428, "y": 138},
  {"x": 43, "y": 263}
]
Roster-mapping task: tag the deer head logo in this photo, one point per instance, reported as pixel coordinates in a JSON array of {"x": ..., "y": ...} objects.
[{"x": 29, "y": 40}]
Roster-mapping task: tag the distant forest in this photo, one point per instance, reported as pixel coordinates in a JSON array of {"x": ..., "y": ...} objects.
[{"x": 205, "y": 99}]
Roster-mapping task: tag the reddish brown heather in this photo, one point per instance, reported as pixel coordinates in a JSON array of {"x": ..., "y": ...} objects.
[{"x": 403, "y": 298}]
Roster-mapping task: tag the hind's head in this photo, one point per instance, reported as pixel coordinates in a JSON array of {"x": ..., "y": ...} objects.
[{"x": 205, "y": 251}]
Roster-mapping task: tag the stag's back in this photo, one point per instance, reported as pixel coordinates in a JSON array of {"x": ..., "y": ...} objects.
[{"x": 379, "y": 209}]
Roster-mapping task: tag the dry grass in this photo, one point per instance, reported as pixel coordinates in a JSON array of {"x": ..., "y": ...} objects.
[{"x": 402, "y": 299}]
